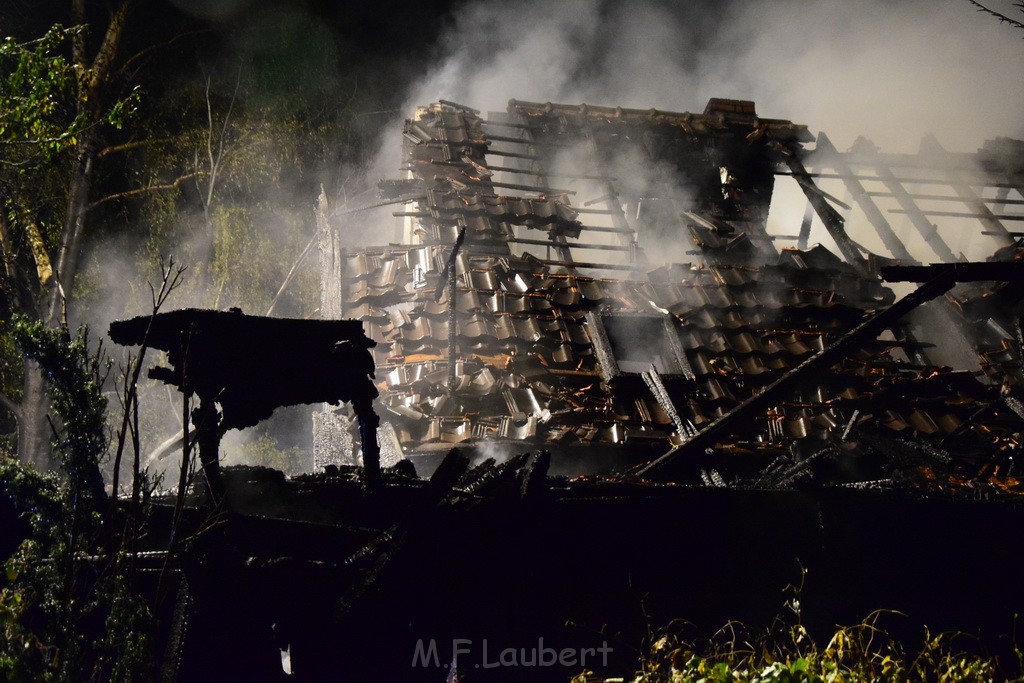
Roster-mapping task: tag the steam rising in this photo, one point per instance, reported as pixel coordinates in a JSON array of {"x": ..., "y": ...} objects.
[
  {"x": 891, "y": 72},
  {"x": 888, "y": 72}
]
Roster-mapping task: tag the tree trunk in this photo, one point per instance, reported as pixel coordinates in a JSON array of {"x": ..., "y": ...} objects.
[{"x": 33, "y": 428}]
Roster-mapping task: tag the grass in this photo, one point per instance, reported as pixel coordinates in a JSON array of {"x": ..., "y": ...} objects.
[{"x": 786, "y": 653}]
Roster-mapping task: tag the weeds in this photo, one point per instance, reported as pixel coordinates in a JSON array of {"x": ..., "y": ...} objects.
[{"x": 786, "y": 653}]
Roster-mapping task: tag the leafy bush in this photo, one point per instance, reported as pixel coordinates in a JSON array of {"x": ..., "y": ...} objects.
[{"x": 67, "y": 609}]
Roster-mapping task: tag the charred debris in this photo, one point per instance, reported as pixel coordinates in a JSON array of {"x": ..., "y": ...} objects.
[
  {"x": 583, "y": 323},
  {"x": 595, "y": 291},
  {"x": 616, "y": 299},
  {"x": 530, "y": 304}
]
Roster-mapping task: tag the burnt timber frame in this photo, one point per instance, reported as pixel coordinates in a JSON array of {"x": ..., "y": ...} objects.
[
  {"x": 251, "y": 365},
  {"x": 967, "y": 176}
]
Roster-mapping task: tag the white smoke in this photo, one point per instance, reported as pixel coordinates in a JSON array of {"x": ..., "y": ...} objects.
[{"x": 889, "y": 71}]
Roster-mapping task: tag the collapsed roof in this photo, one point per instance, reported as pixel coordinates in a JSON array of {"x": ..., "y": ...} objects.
[{"x": 619, "y": 299}]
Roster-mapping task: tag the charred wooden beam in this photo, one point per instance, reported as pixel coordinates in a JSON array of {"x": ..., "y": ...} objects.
[
  {"x": 829, "y": 216},
  {"x": 653, "y": 381},
  {"x": 386, "y": 202},
  {"x": 980, "y": 182},
  {"x": 507, "y": 138},
  {"x": 998, "y": 201},
  {"x": 542, "y": 173},
  {"x": 448, "y": 277},
  {"x": 995, "y": 271},
  {"x": 1001, "y": 201},
  {"x": 827, "y": 195},
  {"x": 931, "y": 147},
  {"x": 805, "y": 227},
  {"x": 863, "y": 199},
  {"x": 524, "y": 188},
  {"x": 928, "y": 231},
  {"x": 972, "y": 214},
  {"x": 252, "y": 365},
  {"x": 514, "y": 155},
  {"x": 544, "y": 178},
  {"x": 602, "y": 228},
  {"x": 580, "y": 264},
  {"x": 449, "y": 266},
  {"x": 504, "y": 124},
  {"x": 809, "y": 370},
  {"x": 495, "y": 474},
  {"x": 573, "y": 245},
  {"x": 369, "y": 561},
  {"x": 533, "y": 475},
  {"x": 611, "y": 199},
  {"x": 368, "y": 423},
  {"x": 208, "y": 435},
  {"x": 606, "y": 212},
  {"x": 958, "y": 161}
]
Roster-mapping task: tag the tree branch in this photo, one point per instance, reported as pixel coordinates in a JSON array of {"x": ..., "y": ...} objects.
[
  {"x": 128, "y": 63},
  {"x": 78, "y": 40},
  {"x": 134, "y": 144},
  {"x": 291, "y": 274},
  {"x": 216, "y": 160},
  {"x": 143, "y": 190},
  {"x": 37, "y": 243},
  {"x": 9, "y": 403},
  {"x": 1001, "y": 17},
  {"x": 108, "y": 48},
  {"x": 170, "y": 280},
  {"x": 6, "y": 250}
]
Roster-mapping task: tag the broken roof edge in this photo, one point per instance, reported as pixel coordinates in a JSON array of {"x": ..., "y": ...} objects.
[{"x": 717, "y": 111}]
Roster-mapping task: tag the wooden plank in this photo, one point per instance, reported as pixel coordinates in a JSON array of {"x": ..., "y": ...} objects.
[
  {"x": 997, "y": 271},
  {"x": 864, "y": 201},
  {"x": 928, "y": 231},
  {"x": 963, "y": 190},
  {"x": 829, "y": 216}
]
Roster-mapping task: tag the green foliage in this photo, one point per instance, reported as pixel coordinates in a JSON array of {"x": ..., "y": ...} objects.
[
  {"x": 66, "y": 614},
  {"x": 37, "y": 94},
  {"x": 855, "y": 654},
  {"x": 259, "y": 219},
  {"x": 75, "y": 380},
  {"x": 10, "y": 380},
  {"x": 124, "y": 109},
  {"x": 863, "y": 653},
  {"x": 67, "y": 610}
]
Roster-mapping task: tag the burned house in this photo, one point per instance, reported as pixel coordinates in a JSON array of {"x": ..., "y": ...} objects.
[
  {"x": 617, "y": 297},
  {"x": 631, "y": 392}
]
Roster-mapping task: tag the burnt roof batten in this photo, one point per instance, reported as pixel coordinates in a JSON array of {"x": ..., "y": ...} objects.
[
  {"x": 556, "y": 240},
  {"x": 805, "y": 227},
  {"x": 930, "y": 146},
  {"x": 928, "y": 231},
  {"x": 831, "y": 219},
  {"x": 870, "y": 209}
]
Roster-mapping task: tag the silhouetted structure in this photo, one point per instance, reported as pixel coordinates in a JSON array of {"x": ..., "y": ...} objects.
[{"x": 631, "y": 404}]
